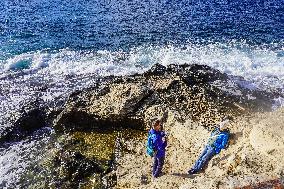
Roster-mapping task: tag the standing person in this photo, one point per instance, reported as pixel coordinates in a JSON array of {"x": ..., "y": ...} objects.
[
  {"x": 218, "y": 140},
  {"x": 156, "y": 147}
]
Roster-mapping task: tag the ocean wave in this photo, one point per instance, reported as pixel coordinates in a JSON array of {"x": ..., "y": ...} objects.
[
  {"x": 263, "y": 66},
  {"x": 50, "y": 74}
]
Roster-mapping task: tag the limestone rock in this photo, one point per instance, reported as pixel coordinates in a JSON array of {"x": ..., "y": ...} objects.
[{"x": 268, "y": 135}]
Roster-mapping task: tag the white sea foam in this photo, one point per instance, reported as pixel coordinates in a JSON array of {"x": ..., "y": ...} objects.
[
  {"x": 255, "y": 67},
  {"x": 66, "y": 70},
  {"x": 15, "y": 160},
  {"x": 263, "y": 67}
]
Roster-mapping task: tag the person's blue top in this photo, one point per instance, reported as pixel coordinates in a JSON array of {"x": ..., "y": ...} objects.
[
  {"x": 159, "y": 145},
  {"x": 218, "y": 140}
]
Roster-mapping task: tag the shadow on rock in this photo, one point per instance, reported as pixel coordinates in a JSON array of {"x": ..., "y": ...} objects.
[
  {"x": 183, "y": 175},
  {"x": 31, "y": 122}
]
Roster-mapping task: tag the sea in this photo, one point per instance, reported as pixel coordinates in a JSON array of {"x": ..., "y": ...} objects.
[{"x": 51, "y": 48}]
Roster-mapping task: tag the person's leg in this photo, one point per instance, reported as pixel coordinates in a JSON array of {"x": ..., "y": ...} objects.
[
  {"x": 203, "y": 159},
  {"x": 159, "y": 166},
  {"x": 206, "y": 158},
  {"x": 197, "y": 162},
  {"x": 155, "y": 164}
]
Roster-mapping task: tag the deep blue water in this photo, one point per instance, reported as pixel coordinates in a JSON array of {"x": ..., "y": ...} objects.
[{"x": 30, "y": 25}]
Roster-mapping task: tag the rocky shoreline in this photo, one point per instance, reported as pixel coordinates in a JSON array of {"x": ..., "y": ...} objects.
[{"x": 99, "y": 134}]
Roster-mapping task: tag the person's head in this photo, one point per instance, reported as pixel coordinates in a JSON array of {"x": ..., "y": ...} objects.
[
  {"x": 224, "y": 124},
  {"x": 157, "y": 125}
]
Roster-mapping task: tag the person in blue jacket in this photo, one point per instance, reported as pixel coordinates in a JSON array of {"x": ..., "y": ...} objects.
[
  {"x": 159, "y": 144},
  {"x": 218, "y": 140}
]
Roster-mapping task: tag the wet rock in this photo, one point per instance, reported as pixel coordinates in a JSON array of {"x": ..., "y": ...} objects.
[
  {"x": 33, "y": 118},
  {"x": 72, "y": 169},
  {"x": 83, "y": 121},
  {"x": 109, "y": 180},
  {"x": 115, "y": 108},
  {"x": 156, "y": 69},
  {"x": 86, "y": 158},
  {"x": 176, "y": 69},
  {"x": 198, "y": 92},
  {"x": 201, "y": 74}
]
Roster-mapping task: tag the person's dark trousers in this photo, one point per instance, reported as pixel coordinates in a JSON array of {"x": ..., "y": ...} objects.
[
  {"x": 205, "y": 156},
  {"x": 158, "y": 165}
]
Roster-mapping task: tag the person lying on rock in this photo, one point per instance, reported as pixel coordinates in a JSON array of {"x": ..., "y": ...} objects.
[
  {"x": 218, "y": 140},
  {"x": 156, "y": 147}
]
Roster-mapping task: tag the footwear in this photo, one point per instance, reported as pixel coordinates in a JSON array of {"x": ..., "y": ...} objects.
[{"x": 191, "y": 171}]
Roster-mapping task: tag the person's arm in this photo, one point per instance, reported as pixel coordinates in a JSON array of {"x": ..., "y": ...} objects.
[
  {"x": 165, "y": 143},
  {"x": 164, "y": 139},
  {"x": 221, "y": 142},
  {"x": 155, "y": 142},
  {"x": 225, "y": 140}
]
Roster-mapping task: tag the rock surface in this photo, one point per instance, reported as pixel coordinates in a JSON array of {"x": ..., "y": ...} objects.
[
  {"x": 100, "y": 133},
  {"x": 253, "y": 158},
  {"x": 192, "y": 99},
  {"x": 195, "y": 92}
]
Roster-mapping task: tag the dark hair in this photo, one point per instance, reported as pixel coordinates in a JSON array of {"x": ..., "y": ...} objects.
[{"x": 156, "y": 122}]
